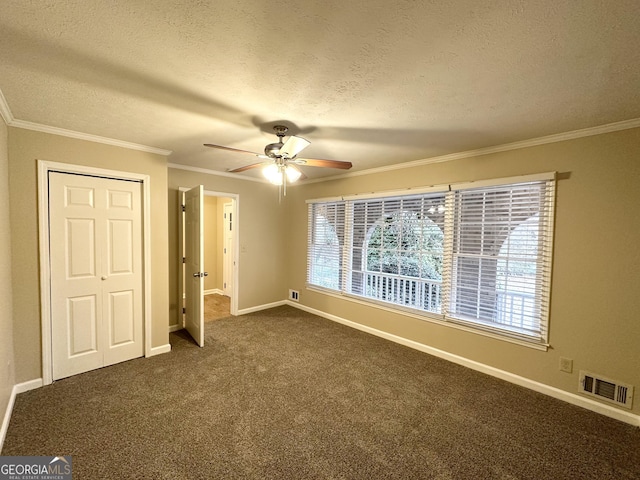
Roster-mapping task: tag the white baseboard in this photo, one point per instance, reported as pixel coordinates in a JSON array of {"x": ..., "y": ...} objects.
[
  {"x": 266, "y": 306},
  {"x": 7, "y": 417},
  {"x": 159, "y": 350},
  {"x": 19, "y": 388},
  {"x": 175, "y": 328},
  {"x": 30, "y": 385},
  {"x": 214, "y": 291},
  {"x": 554, "y": 392}
]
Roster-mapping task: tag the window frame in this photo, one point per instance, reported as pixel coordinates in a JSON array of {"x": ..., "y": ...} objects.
[{"x": 538, "y": 339}]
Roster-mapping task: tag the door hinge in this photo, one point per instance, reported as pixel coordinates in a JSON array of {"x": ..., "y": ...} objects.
[
  {"x": 184, "y": 259},
  {"x": 184, "y": 310},
  {"x": 184, "y": 208}
]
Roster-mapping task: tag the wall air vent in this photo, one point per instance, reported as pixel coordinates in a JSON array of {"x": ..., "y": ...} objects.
[{"x": 606, "y": 389}]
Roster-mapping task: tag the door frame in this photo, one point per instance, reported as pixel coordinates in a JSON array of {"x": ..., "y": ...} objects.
[
  {"x": 227, "y": 268},
  {"x": 233, "y": 305},
  {"x": 44, "y": 167}
]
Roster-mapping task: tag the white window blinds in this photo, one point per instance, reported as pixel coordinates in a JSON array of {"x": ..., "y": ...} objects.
[
  {"x": 480, "y": 256},
  {"x": 500, "y": 256},
  {"x": 325, "y": 244}
]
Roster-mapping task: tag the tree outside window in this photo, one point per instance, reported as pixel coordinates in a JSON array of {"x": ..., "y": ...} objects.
[{"x": 402, "y": 255}]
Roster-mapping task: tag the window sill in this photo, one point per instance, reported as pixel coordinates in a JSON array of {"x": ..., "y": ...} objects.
[{"x": 438, "y": 319}]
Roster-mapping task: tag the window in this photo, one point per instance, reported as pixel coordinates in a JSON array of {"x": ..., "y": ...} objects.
[
  {"x": 325, "y": 246},
  {"x": 397, "y": 249},
  {"x": 477, "y": 255}
]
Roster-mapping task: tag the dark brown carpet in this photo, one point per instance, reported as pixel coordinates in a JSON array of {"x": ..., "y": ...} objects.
[{"x": 284, "y": 394}]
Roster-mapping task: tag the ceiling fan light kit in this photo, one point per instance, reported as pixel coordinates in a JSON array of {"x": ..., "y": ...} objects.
[
  {"x": 292, "y": 173},
  {"x": 276, "y": 174},
  {"x": 272, "y": 173},
  {"x": 280, "y": 168}
]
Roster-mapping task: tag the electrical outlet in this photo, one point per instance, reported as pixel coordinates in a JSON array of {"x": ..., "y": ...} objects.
[
  {"x": 294, "y": 295},
  {"x": 566, "y": 365}
]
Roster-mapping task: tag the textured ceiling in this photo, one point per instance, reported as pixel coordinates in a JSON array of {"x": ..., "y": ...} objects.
[{"x": 368, "y": 81}]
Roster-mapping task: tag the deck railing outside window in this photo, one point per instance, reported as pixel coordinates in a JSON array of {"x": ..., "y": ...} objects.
[{"x": 417, "y": 293}]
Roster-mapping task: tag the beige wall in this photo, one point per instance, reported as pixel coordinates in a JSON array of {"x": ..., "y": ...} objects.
[
  {"x": 220, "y": 236},
  {"x": 262, "y": 236},
  {"x": 25, "y": 148},
  {"x": 214, "y": 241},
  {"x": 7, "y": 366},
  {"x": 596, "y": 280},
  {"x": 211, "y": 246}
]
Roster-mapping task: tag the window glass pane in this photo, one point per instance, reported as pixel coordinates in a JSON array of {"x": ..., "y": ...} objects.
[
  {"x": 374, "y": 259},
  {"x": 431, "y": 266}
]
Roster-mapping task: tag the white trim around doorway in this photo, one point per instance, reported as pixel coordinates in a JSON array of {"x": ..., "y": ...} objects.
[
  {"x": 233, "y": 306},
  {"x": 44, "y": 167}
]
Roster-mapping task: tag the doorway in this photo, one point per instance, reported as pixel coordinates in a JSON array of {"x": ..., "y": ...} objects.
[{"x": 219, "y": 265}]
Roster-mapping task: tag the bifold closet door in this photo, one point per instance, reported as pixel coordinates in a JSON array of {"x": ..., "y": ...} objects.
[{"x": 96, "y": 272}]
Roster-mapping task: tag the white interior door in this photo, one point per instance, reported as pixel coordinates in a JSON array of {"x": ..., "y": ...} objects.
[
  {"x": 194, "y": 263},
  {"x": 227, "y": 268},
  {"x": 96, "y": 272}
]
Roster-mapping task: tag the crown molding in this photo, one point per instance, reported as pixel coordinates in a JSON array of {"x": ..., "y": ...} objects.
[
  {"x": 207, "y": 171},
  {"x": 5, "y": 111},
  {"x": 87, "y": 136},
  {"x": 11, "y": 121},
  {"x": 534, "y": 142}
]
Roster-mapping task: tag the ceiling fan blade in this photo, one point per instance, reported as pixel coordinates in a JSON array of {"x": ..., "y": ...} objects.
[
  {"x": 293, "y": 146},
  {"x": 232, "y": 149},
  {"x": 246, "y": 167},
  {"x": 316, "y": 162}
]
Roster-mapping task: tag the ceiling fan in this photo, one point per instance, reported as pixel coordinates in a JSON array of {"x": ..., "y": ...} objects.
[{"x": 282, "y": 159}]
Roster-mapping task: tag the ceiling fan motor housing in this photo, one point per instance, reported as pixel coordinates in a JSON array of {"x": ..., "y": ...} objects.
[{"x": 273, "y": 149}]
